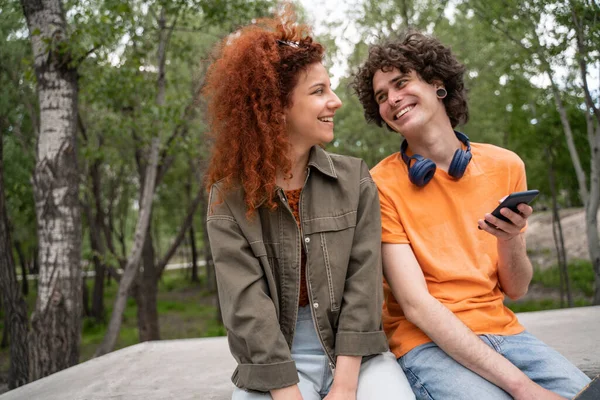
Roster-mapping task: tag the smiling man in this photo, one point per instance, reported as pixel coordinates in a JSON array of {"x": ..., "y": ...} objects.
[{"x": 446, "y": 270}]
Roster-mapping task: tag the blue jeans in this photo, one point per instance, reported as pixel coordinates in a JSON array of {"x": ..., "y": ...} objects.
[
  {"x": 435, "y": 375},
  {"x": 379, "y": 377}
]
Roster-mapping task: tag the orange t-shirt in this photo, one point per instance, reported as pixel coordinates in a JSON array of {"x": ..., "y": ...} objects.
[{"x": 439, "y": 221}]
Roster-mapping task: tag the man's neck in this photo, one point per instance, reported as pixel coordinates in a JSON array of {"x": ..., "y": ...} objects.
[{"x": 438, "y": 145}]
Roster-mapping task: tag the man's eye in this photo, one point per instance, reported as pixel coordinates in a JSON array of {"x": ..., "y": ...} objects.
[
  {"x": 400, "y": 83},
  {"x": 318, "y": 91},
  {"x": 381, "y": 99}
]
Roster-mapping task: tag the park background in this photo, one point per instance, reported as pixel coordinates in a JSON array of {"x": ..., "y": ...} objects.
[{"x": 104, "y": 146}]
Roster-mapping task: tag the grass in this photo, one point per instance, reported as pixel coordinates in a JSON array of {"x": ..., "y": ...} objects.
[
  {"x": 543, "y": 304},
  {"x": 581, "y": 276},
  {"x": 185, "y": 310}
]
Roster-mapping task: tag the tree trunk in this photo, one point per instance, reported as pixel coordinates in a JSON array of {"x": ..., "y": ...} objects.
[
  {"x": 192, "y": 234},
  {"x": 211, "y": 282},
  {"x": 133, "y": 261},
  {"x": 4, "y": 342},
  {"x": 97, "y": 226},
  {"x": 85, "y": 309},
  {"x": 145, "y": 296},
  {"x": 562, "y": 112},
  {"x": 23, "y": 262},
  {"x": 56, "y": 322},
  {"x": 15, "y": 309},
  {"x": 195, "y": 277},
  {"x": 97, "y": 311},
  {"x": 557, "y": 233},
  {"x": 35, "y": 267},
  {"x": 591, "y": 210}
]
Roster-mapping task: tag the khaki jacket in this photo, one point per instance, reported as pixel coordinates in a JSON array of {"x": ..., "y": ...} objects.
[{"x": 257, "y": 263}]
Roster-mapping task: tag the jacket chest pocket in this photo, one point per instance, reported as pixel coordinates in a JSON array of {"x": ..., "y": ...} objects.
[{"x": 329, "y": 253}]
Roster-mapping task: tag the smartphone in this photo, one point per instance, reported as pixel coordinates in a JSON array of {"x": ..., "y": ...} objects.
[{"x": 512, "y": 201}]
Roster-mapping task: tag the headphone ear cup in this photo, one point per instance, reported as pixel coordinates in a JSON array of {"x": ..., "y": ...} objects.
[
  {"x": 459, "y": 163},
  {"x": 422, "y": 171}
]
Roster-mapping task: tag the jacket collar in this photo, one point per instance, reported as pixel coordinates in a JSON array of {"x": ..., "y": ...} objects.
[{"x": 320, "y": 160}]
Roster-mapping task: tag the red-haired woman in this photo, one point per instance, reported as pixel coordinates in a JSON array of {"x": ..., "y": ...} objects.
[{"x": 295, "y": 231}]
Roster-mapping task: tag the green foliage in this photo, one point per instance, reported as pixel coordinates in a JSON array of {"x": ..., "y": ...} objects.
[
  {"x": 18, "y": 113},
  {"x": 581, "y": 275},
  {"x": 543, "y": 304}
]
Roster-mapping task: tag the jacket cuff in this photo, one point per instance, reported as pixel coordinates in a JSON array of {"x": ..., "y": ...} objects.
[
  {"x": 265, "y": 377},
  {"x": 360, "y": 343}
]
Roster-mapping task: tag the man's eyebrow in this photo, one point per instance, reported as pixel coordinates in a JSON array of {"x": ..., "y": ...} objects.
[{"x": 392, "y": 81}]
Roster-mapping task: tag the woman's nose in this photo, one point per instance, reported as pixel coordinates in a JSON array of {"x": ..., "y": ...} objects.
[{"x": 335, "y": 102}]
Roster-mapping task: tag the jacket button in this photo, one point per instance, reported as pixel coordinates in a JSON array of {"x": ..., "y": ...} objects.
[
  {"x": 307, "y": 239},
  {"x": 316, "y": 305}
]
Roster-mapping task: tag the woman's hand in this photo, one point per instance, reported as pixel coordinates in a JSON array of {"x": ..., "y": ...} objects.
[
  {"x": 339, "y": 392},
  {"x": 345, "y": 378}
]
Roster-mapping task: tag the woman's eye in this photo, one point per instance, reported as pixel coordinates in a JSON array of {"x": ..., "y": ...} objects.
[
  {"x": 319, "y": 91},
  {"x": 400, "y": 83},
  {"x": 381, "y": 99}
]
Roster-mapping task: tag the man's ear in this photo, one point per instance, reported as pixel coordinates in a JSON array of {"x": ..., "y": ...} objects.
[{"x": 438, "y": 83}]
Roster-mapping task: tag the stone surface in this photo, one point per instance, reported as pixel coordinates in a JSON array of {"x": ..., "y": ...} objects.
[{"x": 200, "y": 368}]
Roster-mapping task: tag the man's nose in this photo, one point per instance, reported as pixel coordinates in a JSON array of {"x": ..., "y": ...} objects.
[{"x": 394, "y": 97}]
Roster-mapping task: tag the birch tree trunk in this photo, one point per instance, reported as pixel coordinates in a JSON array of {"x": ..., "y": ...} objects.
[
  {"x": 591, "y": 209},
  {"x": 592, "y": 118},
  {"x": 56, "y": 322},
  {"x": 12, "y": 301},
  {"x": 114, "y": 327}
]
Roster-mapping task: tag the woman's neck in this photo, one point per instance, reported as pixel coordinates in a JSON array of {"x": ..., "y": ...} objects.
[{"x": 297, "y": 176}]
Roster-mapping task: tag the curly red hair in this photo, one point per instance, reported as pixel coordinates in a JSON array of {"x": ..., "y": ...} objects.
[{"x": 248, "y": 87}]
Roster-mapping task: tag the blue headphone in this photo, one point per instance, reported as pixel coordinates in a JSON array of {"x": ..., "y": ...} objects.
[{"x": 423, "y": 168}]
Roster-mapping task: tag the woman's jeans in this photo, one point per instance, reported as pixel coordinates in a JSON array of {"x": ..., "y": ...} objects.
[
  {"x": 435, "y": 375},
  {"x": 380, "y": 377}
]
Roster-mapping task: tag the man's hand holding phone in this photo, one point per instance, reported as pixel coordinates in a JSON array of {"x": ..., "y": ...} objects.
[{"x": 510, "y": 217}]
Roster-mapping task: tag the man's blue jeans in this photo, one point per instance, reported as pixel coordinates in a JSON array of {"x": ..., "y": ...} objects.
[{"x": 435, "y": 375}]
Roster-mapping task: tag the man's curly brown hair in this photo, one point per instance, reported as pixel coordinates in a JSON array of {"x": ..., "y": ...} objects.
[
  {"x": 429, "y": 58},
  {"x": 248, "y": 88}
]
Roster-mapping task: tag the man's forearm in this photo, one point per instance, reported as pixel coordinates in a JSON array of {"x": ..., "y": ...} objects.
[
  {"x": 460, "y": 343},
  {"x": 514, "y": 268}
]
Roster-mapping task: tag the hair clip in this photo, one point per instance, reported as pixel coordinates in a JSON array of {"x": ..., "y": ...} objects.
[{"x": 288, "y": 43}]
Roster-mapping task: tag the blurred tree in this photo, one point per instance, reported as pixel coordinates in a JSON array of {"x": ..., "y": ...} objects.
[
  {"x": 161, "y": 106},
  {"x": 550, "y": 33},
  {"x": 12, "y": 301}
]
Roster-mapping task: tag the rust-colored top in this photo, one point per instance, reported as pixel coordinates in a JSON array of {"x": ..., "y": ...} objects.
[{"x": 293, "y": 199}]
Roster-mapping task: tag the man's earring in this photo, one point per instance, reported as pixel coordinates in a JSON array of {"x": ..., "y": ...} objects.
[{"x": 441, "y": 93}]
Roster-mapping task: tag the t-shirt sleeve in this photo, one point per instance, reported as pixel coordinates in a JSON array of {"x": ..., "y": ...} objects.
[
  {"x": 392, "y": 230},
  {"x": 521, "y": 178}
]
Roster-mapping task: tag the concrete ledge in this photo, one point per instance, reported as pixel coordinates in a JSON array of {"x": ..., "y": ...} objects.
[{"x": 200, "y": 368}]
